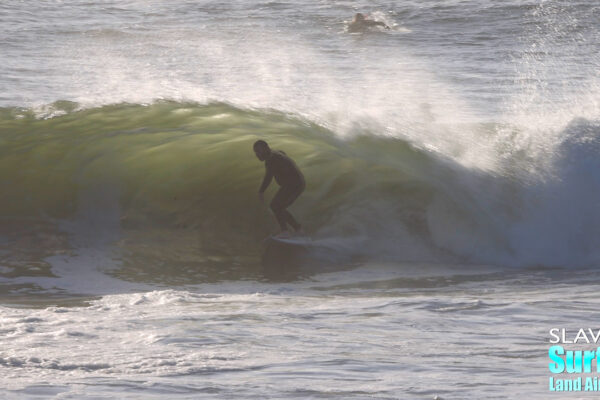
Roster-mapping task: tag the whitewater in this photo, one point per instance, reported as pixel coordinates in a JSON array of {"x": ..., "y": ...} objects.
[{"x": 453, "y": 197}]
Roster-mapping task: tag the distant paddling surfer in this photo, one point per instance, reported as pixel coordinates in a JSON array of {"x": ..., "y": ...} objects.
[
  {"x": 291, "y": 182},
  {"x": 360, "y": 23}
]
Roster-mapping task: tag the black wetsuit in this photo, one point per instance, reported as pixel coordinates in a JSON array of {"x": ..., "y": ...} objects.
[{"x": 288, "y": 176}]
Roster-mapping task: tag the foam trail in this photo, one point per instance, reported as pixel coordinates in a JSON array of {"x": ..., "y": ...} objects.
[{"x": 92, "y": 233}]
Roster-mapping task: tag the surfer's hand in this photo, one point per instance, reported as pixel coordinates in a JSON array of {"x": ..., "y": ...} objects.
[{"x": 261, "y": 197}]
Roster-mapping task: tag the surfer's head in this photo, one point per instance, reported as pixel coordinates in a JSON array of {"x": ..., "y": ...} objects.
[
  {"x": 262, "y": 150},
  {"x": 359, "y": 17}
]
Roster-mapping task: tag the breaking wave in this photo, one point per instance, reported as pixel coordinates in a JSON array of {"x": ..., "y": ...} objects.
[{"x": 170, "y": 188}]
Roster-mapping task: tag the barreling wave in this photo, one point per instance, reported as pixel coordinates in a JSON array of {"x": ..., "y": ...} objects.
[{"x": 171, "y": 188}]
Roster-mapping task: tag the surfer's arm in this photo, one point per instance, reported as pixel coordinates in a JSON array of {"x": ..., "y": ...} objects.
[{"x": 266, "y": 181}]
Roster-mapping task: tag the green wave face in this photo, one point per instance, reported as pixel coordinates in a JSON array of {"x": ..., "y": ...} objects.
[{"x": 173, "y": 186}]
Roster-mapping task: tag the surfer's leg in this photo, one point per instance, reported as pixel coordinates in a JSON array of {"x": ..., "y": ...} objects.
[
  {"x": 284, "y": 197},
  {"x": 277, "y": 205},
  {"x": 289, "y": 218},
  {"x": 288, "y": 200}
]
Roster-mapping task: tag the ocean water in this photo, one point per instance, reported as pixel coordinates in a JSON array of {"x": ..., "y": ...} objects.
[{"x": 453, "y": 198}]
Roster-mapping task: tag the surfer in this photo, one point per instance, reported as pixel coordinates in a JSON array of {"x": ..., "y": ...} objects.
[
  {"x": 360, "y": 23},
  {"x": 291, "y": 182}
]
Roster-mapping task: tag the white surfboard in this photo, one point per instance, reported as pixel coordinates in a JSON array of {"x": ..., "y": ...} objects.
[{"x": 294, "y": 240}]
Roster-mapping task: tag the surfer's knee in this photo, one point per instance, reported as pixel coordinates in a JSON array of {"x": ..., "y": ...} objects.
[{"x": 275, "y": 206}]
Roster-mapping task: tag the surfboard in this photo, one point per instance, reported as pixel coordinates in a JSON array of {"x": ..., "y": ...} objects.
[
  {"x": 283, "y": 258},
  {"x": 287, "y": 257},
  {"x": 302, "y": 241}
]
